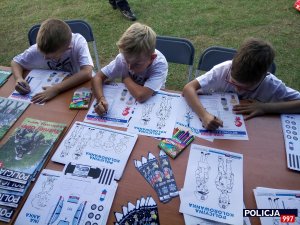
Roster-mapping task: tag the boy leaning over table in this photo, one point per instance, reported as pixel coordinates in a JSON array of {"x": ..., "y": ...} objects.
[
  {"x": 143, "y": 68},
  {"x": 246, "y": 75},
  {"x": 57, "y": 48}
]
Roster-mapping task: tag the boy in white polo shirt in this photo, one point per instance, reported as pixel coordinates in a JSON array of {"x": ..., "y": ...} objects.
[{"x": 143, "y": 69}]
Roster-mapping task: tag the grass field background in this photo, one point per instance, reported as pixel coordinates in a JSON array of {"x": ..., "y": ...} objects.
[{"x": 204, "y": 23}]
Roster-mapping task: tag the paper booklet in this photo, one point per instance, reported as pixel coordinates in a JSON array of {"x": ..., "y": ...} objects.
[
  {"x": 120, "y": 107},
  {"x": 37, "y": 79},
  {"x": 27, "y": 148},
  {"x": 291, "y": 133},
  {"x": 213, "y": 186},
  {"x": 268, "y": 198},
  {"x": 10, "y": 111},
  {"x": 219, "y": 105},
  {"x": 96, "y": 146},
  {"x": 157, "y": 116},
  {"x": 64, "y": 198},
  {"x": 4, "y": 75}
]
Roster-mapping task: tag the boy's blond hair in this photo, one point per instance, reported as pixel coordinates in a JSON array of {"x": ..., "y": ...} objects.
[
  {"x": 138, "y": 39},
  {"x": 53, "y": 35}
]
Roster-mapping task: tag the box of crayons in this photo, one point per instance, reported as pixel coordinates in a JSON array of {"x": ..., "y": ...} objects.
[
  {"x": 81, "y": 99},
  {"x": 179, "y": 141}
]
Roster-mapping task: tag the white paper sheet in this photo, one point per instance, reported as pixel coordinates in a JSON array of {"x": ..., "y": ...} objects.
[
  {"x": 37, "y": 79},
  {"x": 213, "y": 187},
  {"x": 267, "y": 198},
  {"x": 96, "y": 146},
  {"x": 219, "y": 105},
  {"x": 157, "y": 116},
  {"x": 61, "y": 199},
  {"x": 291, "y": 133},
  {"x": 120, "y": 107}
]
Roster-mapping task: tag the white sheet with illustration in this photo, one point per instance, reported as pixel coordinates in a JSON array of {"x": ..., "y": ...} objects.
[
  {"x": 60, "y": 199},
  {"x": 37, "y": 79},
  {"x": 219, "y": 105},
  {"x": 120, "y": 107},
  {"x": 268, "y": 198},
  {"x": 213, "y": 186},
  {"x": 157, "y": 116},
  {"x": 96, "y": 146}
]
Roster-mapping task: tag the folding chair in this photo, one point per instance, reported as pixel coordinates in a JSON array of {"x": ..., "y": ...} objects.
[
  {"x": 215, "y": 55},
  {"x": 77, "y": 26},
  {"x": 177, "y": 50}
]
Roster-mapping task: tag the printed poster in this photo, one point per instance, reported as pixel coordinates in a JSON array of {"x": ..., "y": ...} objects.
[
  {"x": 219, "y": 105},
  {"x": 96, "y": 146},
  {"x": 157, "y": 116},
  {"x": 10, "y": 111},
  {"x": 120, "y": 107},
  {"x": 37, "y": 79},
  {"x": 213, "y": 186}
]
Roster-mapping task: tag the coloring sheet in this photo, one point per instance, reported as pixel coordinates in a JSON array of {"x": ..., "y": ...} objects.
[
  {"x": 213, "y": 187},
  {"x": 10, "y": 111},
  {"x": 120, "y": 107},
  {"x": 291, "y": 133},
  {"x": 157, "y": 116},
  {"x": 96, "y": 146},
  {"x": 267, "y": 198},
  {"x": 37, "y": 79},
  {"x": 219, "y": 105},
  {"x": 63, "y": 199}
]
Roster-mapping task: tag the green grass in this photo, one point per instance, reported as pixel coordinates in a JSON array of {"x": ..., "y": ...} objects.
[{"x": 205, "y": 23}]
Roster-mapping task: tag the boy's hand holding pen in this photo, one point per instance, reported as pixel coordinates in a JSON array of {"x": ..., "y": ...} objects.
[
  {"x": 22, "y": 87},
  {"x": 101, "y": 107}
]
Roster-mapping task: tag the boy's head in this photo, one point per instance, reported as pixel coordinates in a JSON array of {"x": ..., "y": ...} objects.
[
  {"x": 137, "y": 44},
  {"x": 252, "y": 61},
  {"x": 53, "y": 38}
]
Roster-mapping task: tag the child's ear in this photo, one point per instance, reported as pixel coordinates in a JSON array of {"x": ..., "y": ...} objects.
[{"x": 153, "y": 56}]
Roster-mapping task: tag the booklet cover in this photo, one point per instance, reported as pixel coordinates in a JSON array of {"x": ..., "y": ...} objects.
[
  {"x": 27, "y": 147},
  {"x": 10, "y": 111},
  {"x": 4, "y": 75}
]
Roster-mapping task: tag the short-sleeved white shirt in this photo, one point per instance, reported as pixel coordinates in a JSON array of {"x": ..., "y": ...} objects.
[
  {"x": 270, "y": 90},
  {"x": 154, "y": 77},
  {"x": 71, "y": 60}
]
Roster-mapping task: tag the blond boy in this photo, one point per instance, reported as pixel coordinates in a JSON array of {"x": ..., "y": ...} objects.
[
  {"x": 56, "y": 49},
  {"x": 143, "y": 69}
]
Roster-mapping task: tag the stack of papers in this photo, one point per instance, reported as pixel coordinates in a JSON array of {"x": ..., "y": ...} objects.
[
  {"x": 213, "y": 186},
  {"x": 291, "y": 132},
  {"x": 268, "y": 198},
  {"x": 22, "y": 157},
  {"x": 96, "y": 146},
  {"x": 4, "y": 75},
  {"x": 77, "y": 197},
  {"x": 10, "y": 111}
]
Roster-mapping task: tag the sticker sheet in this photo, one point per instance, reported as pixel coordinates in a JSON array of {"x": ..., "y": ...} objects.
[
  {"x": 213, "y": 187},
  {"x": 157, "y": 116},
  {"x": 94, "y": 145},
  {"x": 219, "y": 105},
  {"x": 63, "y": 199},
  {"x": 267, "y": 198},
  {"x": 291, "y": 133},
  {"x": 37, "y": 79},
  {"x": 120, "y": 107}
]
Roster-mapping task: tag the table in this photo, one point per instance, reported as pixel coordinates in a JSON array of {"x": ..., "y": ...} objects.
[{"x": 264, "y": 158}]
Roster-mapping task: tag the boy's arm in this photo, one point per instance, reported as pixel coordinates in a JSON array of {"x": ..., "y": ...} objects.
[
  {"x": 85, "y": 74},
  {"x": 97, "y": 87},
  {"x": 140, "y": 93},
  {"x": 209, "y": 121},
  {"x": 21, "y": 85},
  {"x": 254, "y": 108}
]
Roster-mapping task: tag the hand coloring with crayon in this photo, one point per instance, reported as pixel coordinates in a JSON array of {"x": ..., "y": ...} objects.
[{"x": 22, "y": 86}]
